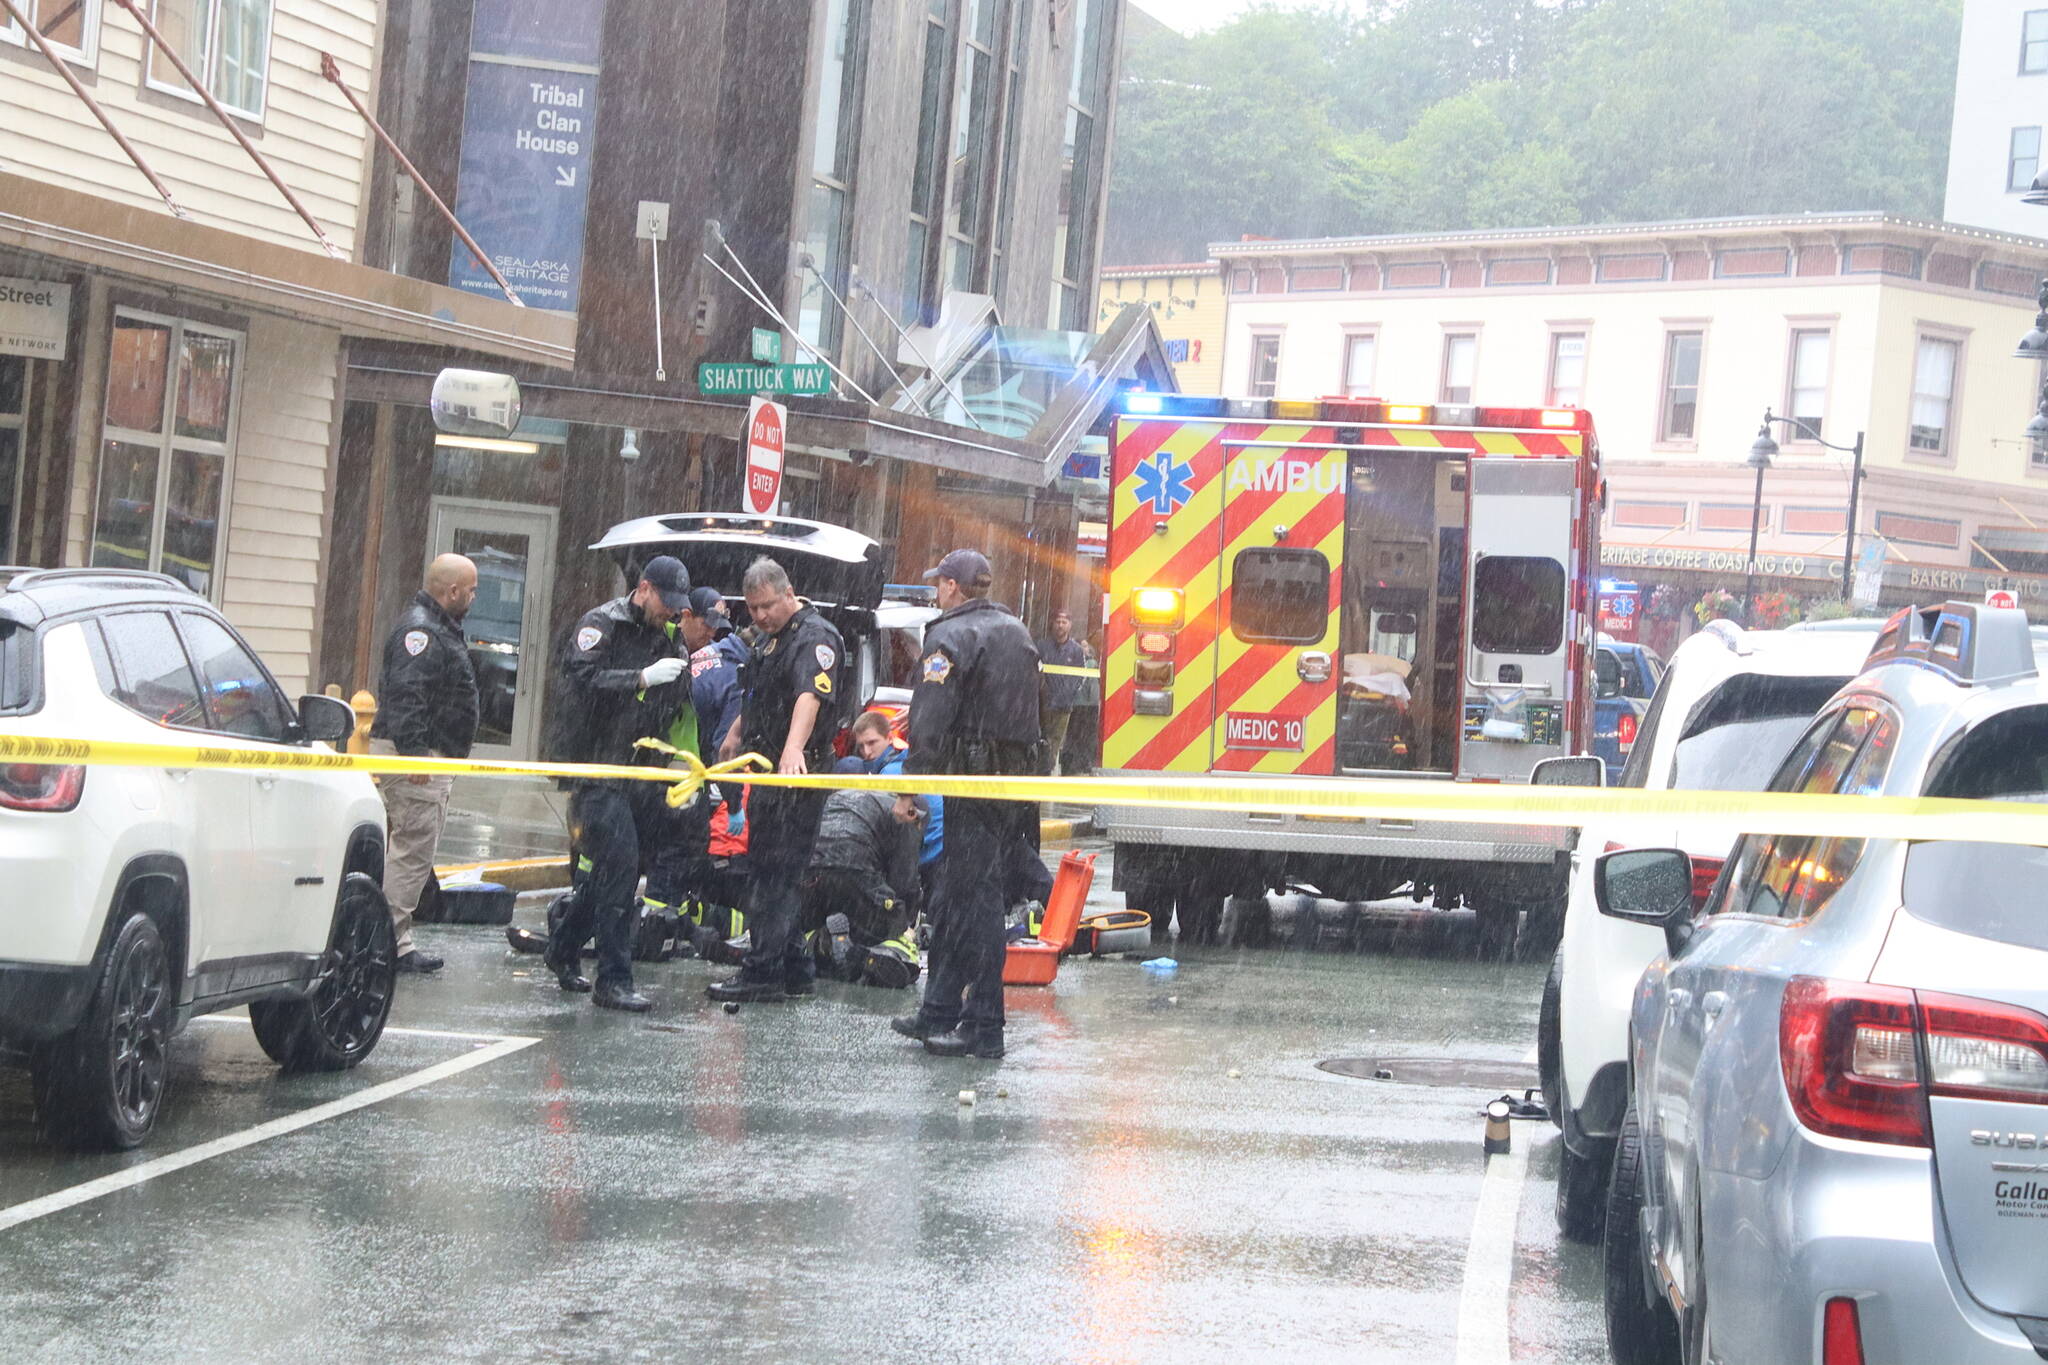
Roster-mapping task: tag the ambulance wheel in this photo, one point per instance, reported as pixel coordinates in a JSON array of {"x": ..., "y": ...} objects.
[
  {"x": 1156, "y": 900},
  {"x": 1200, "y": 914},
  {"x": 1497, "y": 926}
]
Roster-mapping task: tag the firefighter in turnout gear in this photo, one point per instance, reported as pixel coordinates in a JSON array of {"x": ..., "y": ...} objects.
[
  {"x": 974, "y": 712},
  {"x": 790, "y": 714},
  {"x": 621, "y": 679}
]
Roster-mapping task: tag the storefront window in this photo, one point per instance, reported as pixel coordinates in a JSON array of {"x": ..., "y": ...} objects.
[
  {"x": 13, "y": 418},
  {"x": 164, "y": 461}
]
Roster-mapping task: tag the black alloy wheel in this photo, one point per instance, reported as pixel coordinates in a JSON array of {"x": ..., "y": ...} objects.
[
  {"x": 339, "y": 1022},
  {"x": 102, "y": 1086},
  {"x": 138, "y": 1036}
]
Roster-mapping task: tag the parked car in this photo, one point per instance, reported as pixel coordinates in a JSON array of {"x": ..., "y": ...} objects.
[
  {"x": 1729, "y": 707},
  {"x": 146, "y": 896},
  {"x": 1833, "y": 1142},
  {"x": 1625, "y": 677}
]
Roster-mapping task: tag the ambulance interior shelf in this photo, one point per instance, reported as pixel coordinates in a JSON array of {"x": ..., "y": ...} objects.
[{"x": 1403, "y": 594}]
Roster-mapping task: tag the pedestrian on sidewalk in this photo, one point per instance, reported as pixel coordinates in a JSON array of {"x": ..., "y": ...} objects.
[
  {"x": 791, "y": 712},
  {"x": 619, "y": 679},
  {"x": 427, "y": 708},
  {"x": 974, "y": 712},
  {"x": 1059, "y": 693}
]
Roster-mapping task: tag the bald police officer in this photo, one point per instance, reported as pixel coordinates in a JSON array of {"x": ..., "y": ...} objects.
[{"x": 975, "y": 711}]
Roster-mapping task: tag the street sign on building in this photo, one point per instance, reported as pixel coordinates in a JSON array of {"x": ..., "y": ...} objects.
[
  {"x": 720, "y": 377},
  {"x": 1869, "y": 581},
  {"x": 767, "y": 425},
  {"x": 767, "y": 346},
  {"x": 35, "y": 316}
]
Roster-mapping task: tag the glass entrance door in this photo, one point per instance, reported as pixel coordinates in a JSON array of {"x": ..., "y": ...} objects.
[{"x": 513, "y": 547}]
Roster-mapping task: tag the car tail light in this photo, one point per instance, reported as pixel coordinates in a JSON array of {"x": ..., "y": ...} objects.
[
  {"x": 1625, "y": 731},
  {"x": 1852, "y": 1056},
  {"x": 40, "y": 786},
  {"x": 1705, "y": 872},
  {"x": 1841, "y": 1334}
]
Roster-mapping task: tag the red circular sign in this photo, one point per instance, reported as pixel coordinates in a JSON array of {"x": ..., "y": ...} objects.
[{"x": 764, "y": 457}]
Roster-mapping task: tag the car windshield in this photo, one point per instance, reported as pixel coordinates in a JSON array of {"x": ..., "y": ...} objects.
[
  {"x": 1989, "y": 890},
  {"x": 1738, "y": 733}
]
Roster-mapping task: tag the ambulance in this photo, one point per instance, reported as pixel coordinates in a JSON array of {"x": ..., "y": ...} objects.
[{"x": 1348, "y": 588}]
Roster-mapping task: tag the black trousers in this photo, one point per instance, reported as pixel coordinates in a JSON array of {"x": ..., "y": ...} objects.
[
  {"x": 782, "y": 827},
  {"x": 966, "y": 983},
  {"x": 674, "y": 863},
  {"x": 610, "y": 827}
]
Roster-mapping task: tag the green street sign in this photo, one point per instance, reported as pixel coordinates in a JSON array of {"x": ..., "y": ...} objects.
[
  {"x": 767, "y": 346},
  {"x": 725, "y": 378}
]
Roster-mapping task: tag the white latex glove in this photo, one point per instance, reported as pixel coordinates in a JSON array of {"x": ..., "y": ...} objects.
[{"x": 661, "y": 671}]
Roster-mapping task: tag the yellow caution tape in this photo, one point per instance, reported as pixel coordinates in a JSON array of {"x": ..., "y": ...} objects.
[
  {"x": 1068, "y": 671},
  {"x": 1854, "y": 817}
]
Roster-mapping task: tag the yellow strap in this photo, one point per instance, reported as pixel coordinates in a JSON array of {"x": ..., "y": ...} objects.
[{"x": 1068, "y": 671}]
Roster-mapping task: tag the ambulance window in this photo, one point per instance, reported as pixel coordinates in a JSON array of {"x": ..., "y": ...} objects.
[
  {"x": 1517, "y": 605},
  {"x": 1280, "y": 597}
]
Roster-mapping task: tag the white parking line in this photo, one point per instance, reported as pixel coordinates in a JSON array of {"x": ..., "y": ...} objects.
[
  {"x": 241, "y": 1016},
  {"x": 1490, "y": 1263},
  {"x": 33, "y": 1209}
]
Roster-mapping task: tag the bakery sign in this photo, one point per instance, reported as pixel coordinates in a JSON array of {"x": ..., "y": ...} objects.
[{"x": 34, "y": 317}]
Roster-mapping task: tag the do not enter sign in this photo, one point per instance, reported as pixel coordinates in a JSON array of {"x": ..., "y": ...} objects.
[{"x": 766, "y": 423}]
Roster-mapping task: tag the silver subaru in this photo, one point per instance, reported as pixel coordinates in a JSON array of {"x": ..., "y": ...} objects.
[{"x": 1836, "y": 1143}]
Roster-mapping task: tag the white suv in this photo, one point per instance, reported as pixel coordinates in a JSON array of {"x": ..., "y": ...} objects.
[
  {"x": 140, "y": 897},
  {"x": 1731, "y": 704}
]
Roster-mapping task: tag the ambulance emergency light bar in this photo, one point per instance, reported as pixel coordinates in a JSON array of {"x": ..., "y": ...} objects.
[{"x": 1361, "y": 411}]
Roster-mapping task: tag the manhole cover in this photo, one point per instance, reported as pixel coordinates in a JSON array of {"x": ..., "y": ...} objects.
[{"x": 1480, "y": 1073}]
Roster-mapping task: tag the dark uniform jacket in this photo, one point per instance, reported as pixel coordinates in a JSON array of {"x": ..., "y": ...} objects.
[
  {"x": 599, "y": 706},
  {"x": 804, "y": 659},
  {"x": 426, "y": 693},
  {"x": 860, "y": 835},
  {"x": 1062, "y": 691},
  {"x": 975, "y": 709}
]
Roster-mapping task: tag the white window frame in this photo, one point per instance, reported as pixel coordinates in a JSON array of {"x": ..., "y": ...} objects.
[
  {"x": 2014, "y": 183},
  {"x": 207, "y": 67},
  {"x": 2026, "y": 19},
  {"x": 1558, "y": 334},
  {"x": 1672, "y": 332},
  {"x": 1352, "y": 336},
  {"x": 1945, "y": 453},
  {"x": 1799, "y": 330},
  {"x": 86, "y": 56},
  {"x": 1453, "y": 335},
  {"x": 1251, "y": 378},
  {"x": 18, "y": 422},
  {"x": 168, "y": 442}
]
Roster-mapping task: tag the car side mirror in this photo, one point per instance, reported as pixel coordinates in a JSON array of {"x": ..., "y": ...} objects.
[
  {"x": 1588, "y": 771},
  {"x": 475, "y": 403},
  {"x": 1650, "y": 886},
  {"x": 328, "y": 720}
]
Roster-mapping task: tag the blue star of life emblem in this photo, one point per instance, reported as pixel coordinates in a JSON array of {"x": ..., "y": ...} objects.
[{"x": 1165, "y": 482}]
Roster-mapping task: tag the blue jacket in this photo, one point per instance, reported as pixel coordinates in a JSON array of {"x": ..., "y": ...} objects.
[
  {"x": 935, "y": 823},
  {"x": 715, "y": 690}
]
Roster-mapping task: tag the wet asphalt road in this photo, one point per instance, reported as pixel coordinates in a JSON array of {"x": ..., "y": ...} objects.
[{"x": 798, "y": 1183}]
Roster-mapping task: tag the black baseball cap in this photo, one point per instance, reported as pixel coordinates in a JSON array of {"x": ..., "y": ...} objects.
[
  {"x": 964, "y": 566},
  {"x": 709, "y": 607},
  {"x": 670, "y": 579}
]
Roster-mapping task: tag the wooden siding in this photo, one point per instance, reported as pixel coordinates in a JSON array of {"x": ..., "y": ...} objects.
[{"x": 308, "y": 132}]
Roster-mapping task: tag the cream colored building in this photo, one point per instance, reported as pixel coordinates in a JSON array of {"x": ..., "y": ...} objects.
[
  {"x": 170, "y": 379},
  {"x": 1188, "y": 303},
  {"x": 2001, "y": 109},
  {"x": 1677, "y": 336}
]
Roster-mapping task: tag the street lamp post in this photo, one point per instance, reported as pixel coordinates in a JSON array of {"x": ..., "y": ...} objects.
[{"x": 1760, "y": 453}]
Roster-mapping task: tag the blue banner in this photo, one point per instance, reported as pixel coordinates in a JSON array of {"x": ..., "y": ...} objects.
[
  {"x": 539, "y": 30},
  {"x": 525, "y": 180}
]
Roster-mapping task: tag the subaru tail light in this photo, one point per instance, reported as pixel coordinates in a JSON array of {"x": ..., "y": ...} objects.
[
  {"x": 1982, "y": 1050},
  {"x": 40, "y": 786}
]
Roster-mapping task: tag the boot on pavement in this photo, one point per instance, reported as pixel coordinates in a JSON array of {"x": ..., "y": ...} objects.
[
  {"x": 621, "y": 998},
  {"x": 966, "y": 1041}
]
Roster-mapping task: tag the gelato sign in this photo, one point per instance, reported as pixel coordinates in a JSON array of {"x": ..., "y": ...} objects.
[{"x": 34, "y": 317}]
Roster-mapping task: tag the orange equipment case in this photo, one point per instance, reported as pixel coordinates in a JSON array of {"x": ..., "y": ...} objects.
[{"x": 1035, "y": 961}]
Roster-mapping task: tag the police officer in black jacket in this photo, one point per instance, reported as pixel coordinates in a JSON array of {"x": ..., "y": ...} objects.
[
  {"x": 620, "y": 679},
  {"x": 790, "y": 714},
  {"x": 426, "y": 707},
  {"x": 975, "y": 711}
]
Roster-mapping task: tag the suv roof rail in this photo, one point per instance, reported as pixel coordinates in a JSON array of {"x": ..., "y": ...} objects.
[
  {"x": 1729, "y": 633},
  {"x": 1970, "y": 644},
  {"x": 30, "y": 578}
]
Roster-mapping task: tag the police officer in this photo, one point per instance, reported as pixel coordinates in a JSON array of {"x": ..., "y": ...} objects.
[
  {"x": 620, "y": 679},
  {"x": 427, "y": 708},
  {"x": 790, "y": 714},
  {"x": 975, "y": 711}
]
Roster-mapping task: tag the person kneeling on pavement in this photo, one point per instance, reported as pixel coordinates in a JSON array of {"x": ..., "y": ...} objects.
[{"x": 860, "y": 892}]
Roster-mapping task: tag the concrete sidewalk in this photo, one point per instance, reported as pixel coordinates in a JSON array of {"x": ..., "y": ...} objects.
[{"x": 516, "y": 833}]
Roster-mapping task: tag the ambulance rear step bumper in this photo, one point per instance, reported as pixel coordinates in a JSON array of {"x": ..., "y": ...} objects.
[{"x": 1360, "y": 837}]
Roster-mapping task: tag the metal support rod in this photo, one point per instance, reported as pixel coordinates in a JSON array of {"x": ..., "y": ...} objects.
[
  {"x": 1756, "y": 517},
  {"x": 760, "y": 301},
  {"x": 926, "y": 361},
  {"x": 227, "y": 121},
  {"x": 1855, "y": 487},
  {"x": 660, "y": 364},
  {"x": 331, "y": 69},
  {"x": 78, "y": 88},
  {"x": 810, "y": 264},
  {"x": 945, "y": 383}
]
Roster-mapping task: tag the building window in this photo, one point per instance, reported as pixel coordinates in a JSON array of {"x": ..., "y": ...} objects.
[
  {"x": 1461, "y": 357},
  {"x": 1265, "y": 379},
  {"x": 70, "y": 26},
  {"x": 2034, "y": 42},
  {"x": 168, "y": 438},
  {"x": 226, "y": 43},
  {"x": 837, "y": 133},
  {"x": 1079, "y": 186},
  {"x": 927, "y": 172},
  {"x": 1567, "y": 388},
  {"x": 1806, "y": 386},
  {"x": 13, "y": 421},
  {"x": 1360, "y": 355},
  {"x": 1006, "y": 173},
  {"x": 967, "y": 184},
  {"x": 2023, "y": 158},
  {"x": 1680, "y": 421},
  {"x": 1934, "y": 391}
]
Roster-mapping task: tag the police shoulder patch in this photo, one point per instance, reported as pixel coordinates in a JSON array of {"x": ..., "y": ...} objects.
[
  {"x": 587, "y": 638},
  {"x": 415, "y": 642},
  {"x": 823, "y": 682},
  {"x": 938, "y": 666},
  {"x": 826, "y": 656}
]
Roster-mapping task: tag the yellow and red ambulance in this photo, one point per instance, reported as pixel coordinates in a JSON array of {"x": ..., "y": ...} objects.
[{"x": 1346, "y": 587}]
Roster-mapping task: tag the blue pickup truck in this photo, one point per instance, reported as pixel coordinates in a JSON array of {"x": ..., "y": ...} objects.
[{"x": 1625, "y": 677}]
